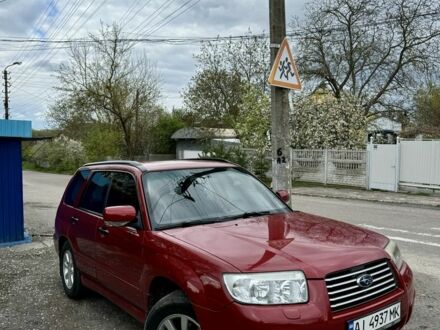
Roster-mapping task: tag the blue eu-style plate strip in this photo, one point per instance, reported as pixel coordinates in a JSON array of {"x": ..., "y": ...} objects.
[{"x": 351, "y": 325}]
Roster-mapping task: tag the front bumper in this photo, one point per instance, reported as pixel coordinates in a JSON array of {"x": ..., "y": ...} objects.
[{"x": 315, "y": 315}]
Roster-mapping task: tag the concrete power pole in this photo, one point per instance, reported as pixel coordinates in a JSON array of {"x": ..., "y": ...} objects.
[
  {"x": 5, "y": 77},
  {"x": 279, "y": 103}
]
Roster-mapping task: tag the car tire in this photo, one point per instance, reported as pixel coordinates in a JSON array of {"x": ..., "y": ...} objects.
[
  {"x": 173, "y": 311},
  {"x": 70, "y": 275}
]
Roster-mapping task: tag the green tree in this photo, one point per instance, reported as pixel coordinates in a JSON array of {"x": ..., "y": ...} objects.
[
  {"x": 426, "y": 119},
  {"x": 102, "y": 141},
  {"x": 105, "y": 82},
  {"x": 161, "y": 133},
  {"x": 234, "y": 154},
  {"x": 225, "y": 70},
  {"x": 253, "y": 122},
  {"x": 214, "y": 98}
]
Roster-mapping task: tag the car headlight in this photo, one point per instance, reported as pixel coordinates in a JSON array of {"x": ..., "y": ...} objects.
[
  {"x": 268, "y": 288},
  {"x": 393, "y": 250}
]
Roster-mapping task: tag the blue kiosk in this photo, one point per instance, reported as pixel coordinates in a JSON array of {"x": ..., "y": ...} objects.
[{"x": 12, "y": 133}]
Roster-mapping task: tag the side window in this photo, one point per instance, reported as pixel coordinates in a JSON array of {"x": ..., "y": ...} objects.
[
  {"x": 96, "y": 192},
  {"x": 123, "y": 192},
  {"x": 75, "y": 186}
]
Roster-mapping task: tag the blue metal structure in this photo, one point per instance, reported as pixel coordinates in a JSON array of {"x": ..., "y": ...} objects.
[{"x": 12, "y": 132}]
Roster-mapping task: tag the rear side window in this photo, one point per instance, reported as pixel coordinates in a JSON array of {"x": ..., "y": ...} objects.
[
  {"x": 96, "y": 192},
  {"x": 75, "y": 185}
]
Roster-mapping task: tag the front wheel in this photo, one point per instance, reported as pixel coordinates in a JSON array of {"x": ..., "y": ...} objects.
[
  {"x": 172, "y": 312},
  {"x": 70, "y": 275}
]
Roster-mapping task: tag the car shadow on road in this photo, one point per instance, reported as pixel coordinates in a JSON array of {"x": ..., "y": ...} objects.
[{"x": 426, "y": 314}]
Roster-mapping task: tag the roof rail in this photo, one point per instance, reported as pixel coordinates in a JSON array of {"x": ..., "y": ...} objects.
[
  {"x": 118, "y": 162},
  {"x": 211, "y": 159}
]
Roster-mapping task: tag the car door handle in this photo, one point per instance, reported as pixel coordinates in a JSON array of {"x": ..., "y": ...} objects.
[
  {"x": 74, "y": 219},
  {"x": 103, "y": 231}
]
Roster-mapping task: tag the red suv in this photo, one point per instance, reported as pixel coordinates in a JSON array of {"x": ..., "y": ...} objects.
[{"x": 203, "y": 244}]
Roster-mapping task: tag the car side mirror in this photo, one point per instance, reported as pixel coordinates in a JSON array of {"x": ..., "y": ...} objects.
[
  {"x": 119, "y": 216},
  {"x": 283, "y": 195}
]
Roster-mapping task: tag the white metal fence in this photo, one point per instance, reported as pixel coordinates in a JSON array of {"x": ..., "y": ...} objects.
[
  {"x": 409, "y": 163},
  {"x": 419, "y": 164},
  {"x": 343, "y": 167}
]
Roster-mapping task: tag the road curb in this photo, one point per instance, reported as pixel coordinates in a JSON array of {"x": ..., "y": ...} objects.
[{"x": 383, "y": 201}]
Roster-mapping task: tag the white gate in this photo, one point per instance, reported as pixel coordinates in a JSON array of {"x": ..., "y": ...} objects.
[{"x": 383, "y": 166}]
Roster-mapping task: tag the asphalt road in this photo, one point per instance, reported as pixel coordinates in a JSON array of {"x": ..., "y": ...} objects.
[
  {"x": 31, "y": 296},
  {"x": 42, "y": 194}
]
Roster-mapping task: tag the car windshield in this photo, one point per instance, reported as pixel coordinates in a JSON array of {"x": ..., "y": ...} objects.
[{"x": 188, "y": 197}]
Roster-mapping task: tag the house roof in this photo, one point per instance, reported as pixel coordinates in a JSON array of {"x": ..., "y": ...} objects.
[
  {"x": 199, "y": 133},
  {"x": 15, "y": 129}
]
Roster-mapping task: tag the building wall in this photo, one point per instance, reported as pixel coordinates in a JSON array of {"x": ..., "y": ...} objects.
[{"x": 194, "y": 146}]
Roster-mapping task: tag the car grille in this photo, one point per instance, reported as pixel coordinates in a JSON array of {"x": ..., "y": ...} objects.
[{"x": 344, "y": 291}]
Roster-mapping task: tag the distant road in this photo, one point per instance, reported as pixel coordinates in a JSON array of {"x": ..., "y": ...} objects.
[{"x": 42, "y": 194}]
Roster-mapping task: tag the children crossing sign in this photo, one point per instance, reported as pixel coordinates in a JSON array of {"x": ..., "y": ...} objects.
[{"x": 284, "y": 72}]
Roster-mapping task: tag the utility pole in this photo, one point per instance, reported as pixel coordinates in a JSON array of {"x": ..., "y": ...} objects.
[
  {"x": 5, "y": 77},
  {"x": 6, "y": 101},
  {"x": 279, "y": 103}
]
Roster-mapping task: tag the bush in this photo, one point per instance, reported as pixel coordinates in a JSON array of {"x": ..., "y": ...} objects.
[
  {"x": 61, "y": 154},
  {"x": 252, "y": 160}
]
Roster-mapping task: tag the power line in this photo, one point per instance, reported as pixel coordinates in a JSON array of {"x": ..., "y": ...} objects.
[
  {"x": 152, "y": 17},
  {"x": 39, "y": 23},
  {"x": 133, "y": 5},
  {"x": 90, "y": 16},
  {"x": 165, "y": 39},
  {"x": 59, "y": 20},
  {"x": 171, "y": 17},
  {"x": 73, "y": 9},
  {"x": 128, "y": 18},
  {"x": 34, "y": 49},
  {"x": 173, "y": 40}
]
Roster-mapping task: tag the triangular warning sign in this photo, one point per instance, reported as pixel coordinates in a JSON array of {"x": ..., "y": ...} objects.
[{"x": 284, "y": 72}]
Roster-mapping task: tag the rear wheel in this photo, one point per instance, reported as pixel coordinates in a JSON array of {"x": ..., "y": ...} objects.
[
  {"x": 70, "y": 275},
  {"x": 172, "y": 312}
]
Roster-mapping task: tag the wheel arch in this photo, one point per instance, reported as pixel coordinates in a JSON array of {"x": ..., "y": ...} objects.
[
  {"x": 175, "y": 275},
  {"x": 159, "y": 287},
  {"x": 61, "y": 241}
]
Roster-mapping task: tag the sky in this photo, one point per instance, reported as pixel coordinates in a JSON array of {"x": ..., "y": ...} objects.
[{"x": 32, "y": 83}]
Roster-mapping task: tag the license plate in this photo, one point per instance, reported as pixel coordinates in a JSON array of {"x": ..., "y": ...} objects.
[{"x": 382, "y": 319}]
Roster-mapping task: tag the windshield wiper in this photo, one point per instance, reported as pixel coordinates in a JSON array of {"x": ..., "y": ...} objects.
[
  {"x": 184, "y": 184},
  {"x": 249, "y": 215},
  {"x": 185, "y": 224}
]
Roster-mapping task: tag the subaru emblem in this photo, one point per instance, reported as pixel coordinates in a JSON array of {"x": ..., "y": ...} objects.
[{"x": 365, "y": 280}]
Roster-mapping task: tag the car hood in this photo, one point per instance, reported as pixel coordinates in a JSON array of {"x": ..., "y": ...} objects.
[{"x": 291, "y": 241}]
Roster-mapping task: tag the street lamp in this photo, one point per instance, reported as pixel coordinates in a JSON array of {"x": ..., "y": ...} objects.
[{"x": 5, "y": 76}]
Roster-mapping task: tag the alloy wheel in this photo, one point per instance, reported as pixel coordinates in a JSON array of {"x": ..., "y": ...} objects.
[
  {"x": 68, "y": 269},
  {"x": 178, "y": 322}
]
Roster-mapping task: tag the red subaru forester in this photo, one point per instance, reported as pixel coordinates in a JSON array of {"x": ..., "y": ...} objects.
[{"x": 203, "y": 244}]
